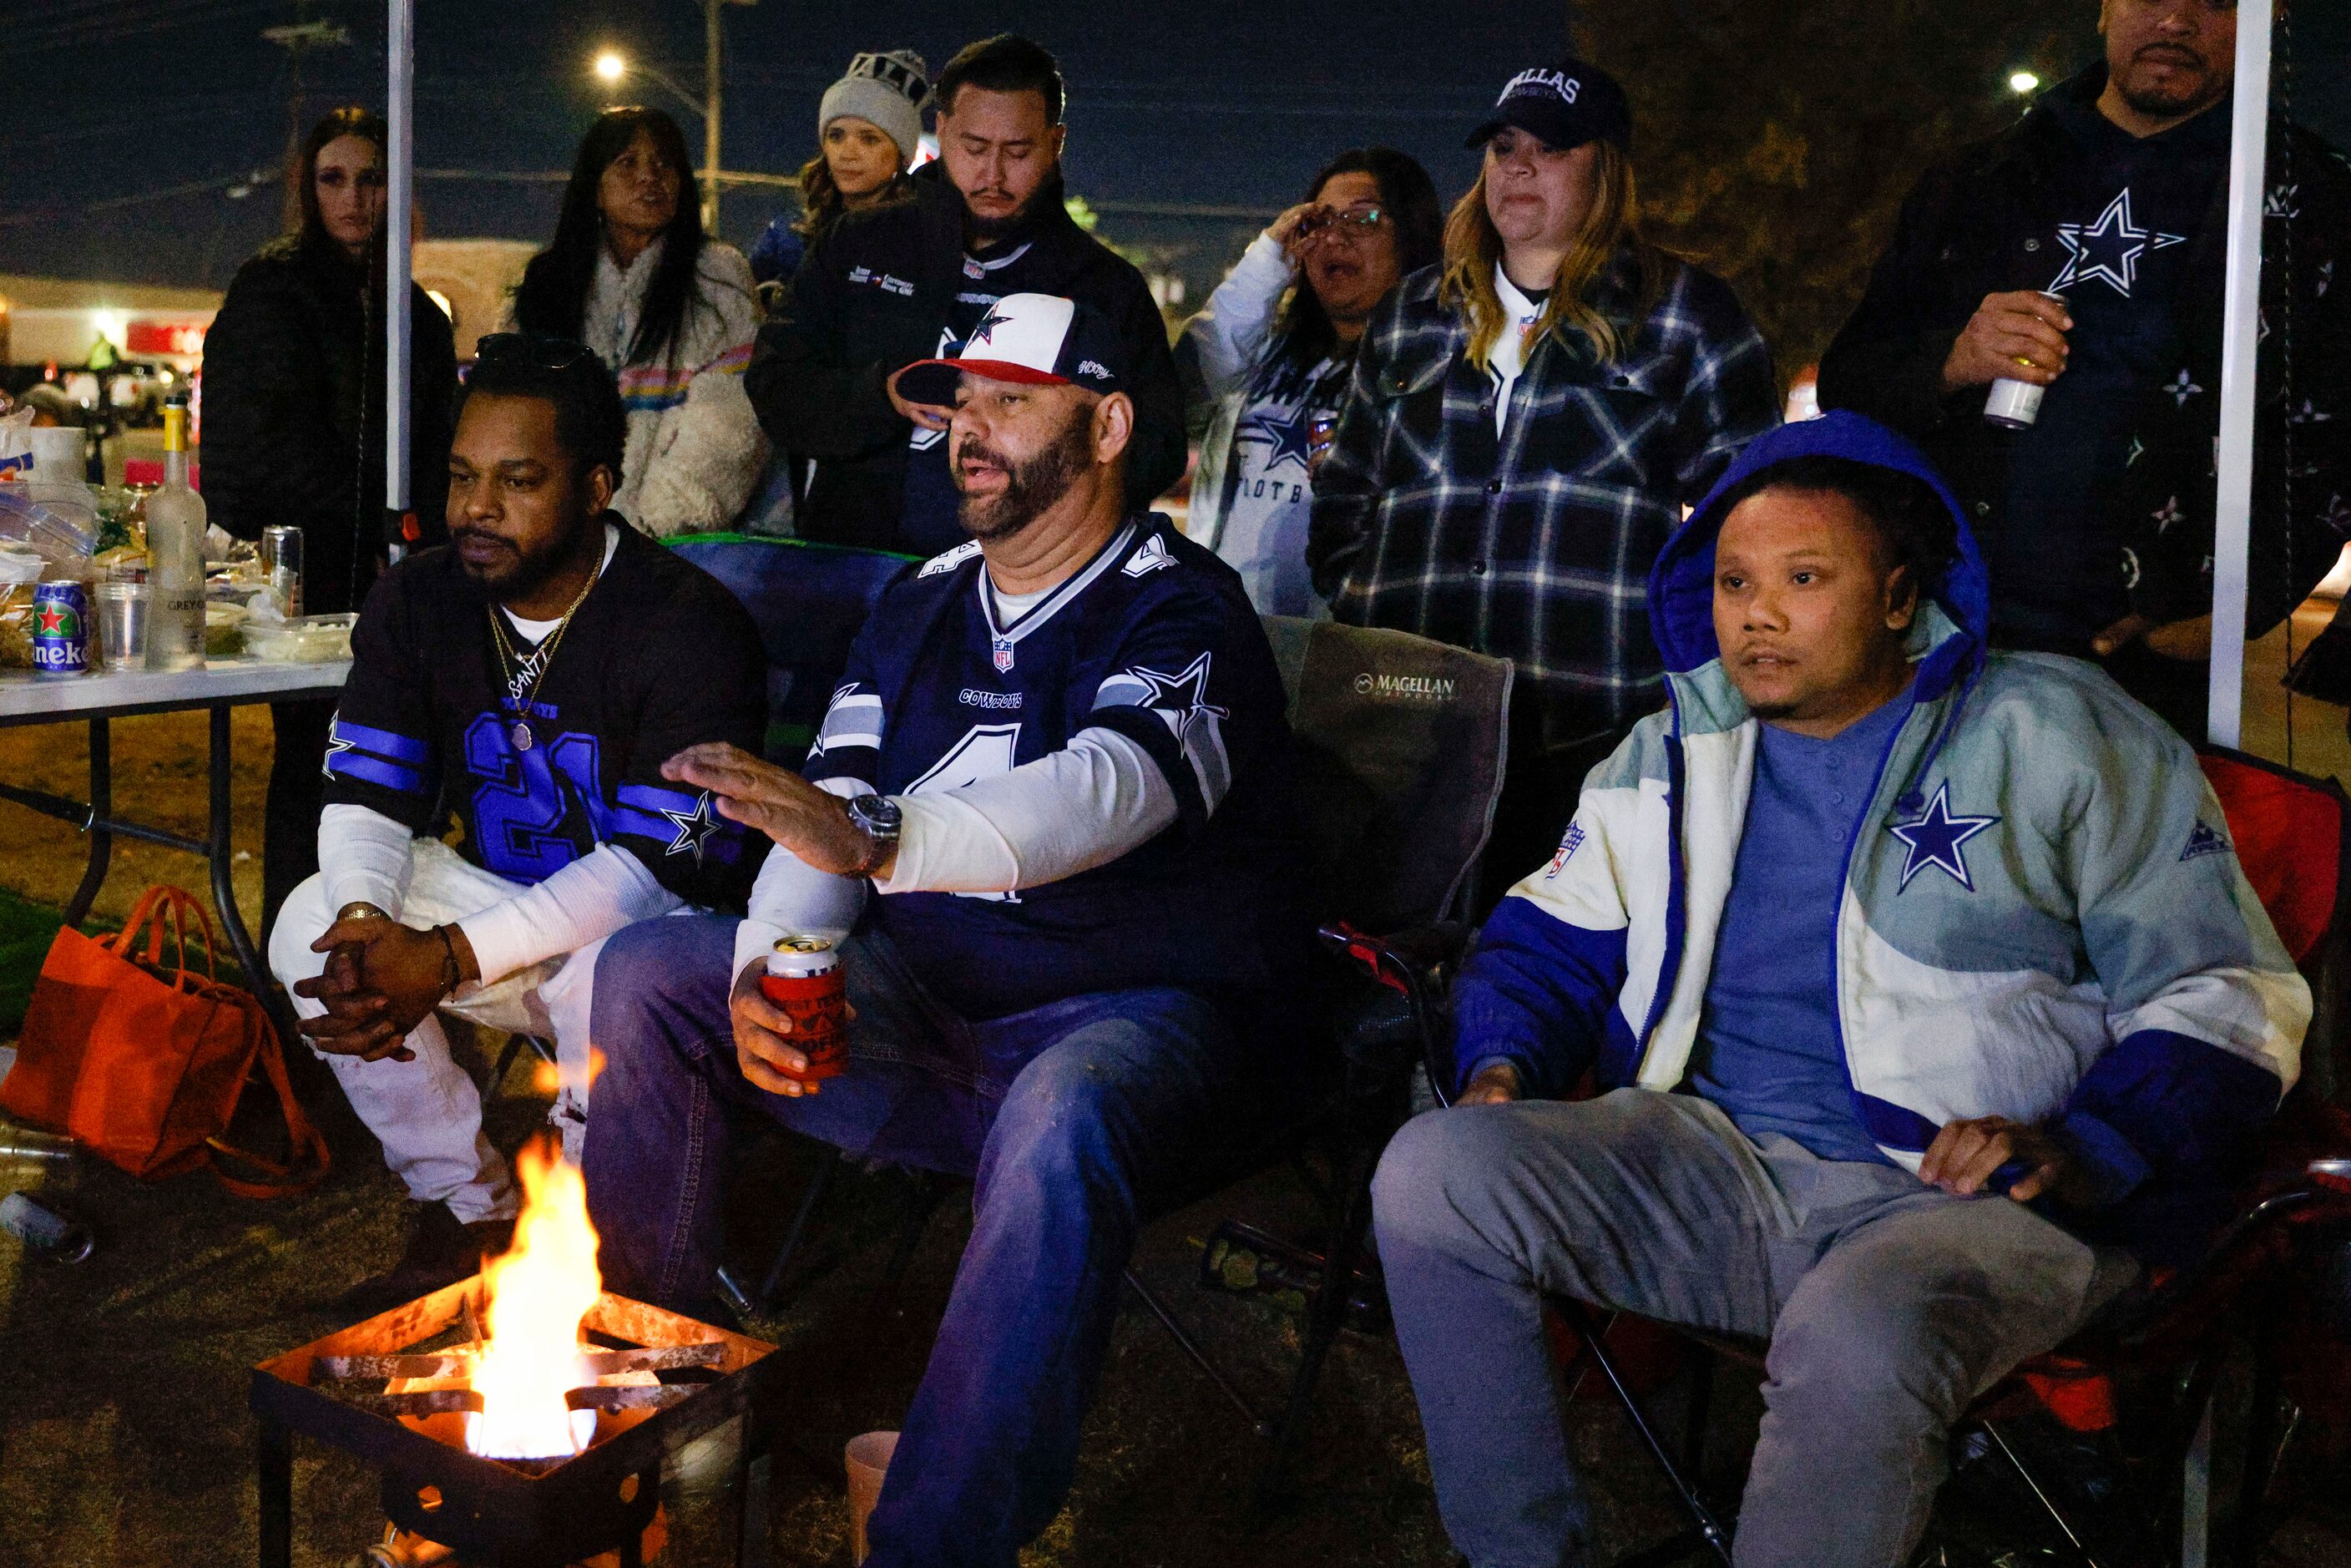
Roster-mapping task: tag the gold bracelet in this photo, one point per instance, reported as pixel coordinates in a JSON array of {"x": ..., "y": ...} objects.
[{"x": 361, "y": 910}]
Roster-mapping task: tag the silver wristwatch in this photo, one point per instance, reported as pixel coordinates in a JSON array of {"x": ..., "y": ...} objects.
[{"x": 879, "y": 819}]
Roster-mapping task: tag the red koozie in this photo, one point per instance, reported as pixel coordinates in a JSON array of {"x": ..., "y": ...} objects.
[{"x": 803, "y": 979}]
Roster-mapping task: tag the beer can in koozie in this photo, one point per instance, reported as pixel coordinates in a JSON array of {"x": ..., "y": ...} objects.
[
  {"x": 60, "y": 629},
  {"x": 804, "y": 979}
]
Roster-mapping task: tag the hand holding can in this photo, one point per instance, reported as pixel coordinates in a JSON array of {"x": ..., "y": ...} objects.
[{"x": 804, "y": 979}]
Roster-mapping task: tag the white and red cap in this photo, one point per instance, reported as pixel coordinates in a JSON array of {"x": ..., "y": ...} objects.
[{"x": 1042, "y": 340}]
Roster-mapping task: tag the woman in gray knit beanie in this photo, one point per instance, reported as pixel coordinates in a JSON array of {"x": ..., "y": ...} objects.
[{"x": 869, "y": 128}]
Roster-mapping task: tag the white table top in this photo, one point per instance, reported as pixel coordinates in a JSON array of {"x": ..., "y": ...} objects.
[{"x": 26, "y": 697}]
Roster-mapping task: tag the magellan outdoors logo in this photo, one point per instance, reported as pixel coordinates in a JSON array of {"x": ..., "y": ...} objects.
[{"x": 1406, "y": 688}]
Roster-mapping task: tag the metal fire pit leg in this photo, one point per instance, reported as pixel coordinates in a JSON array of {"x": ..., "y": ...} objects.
[
  {"x": 274, "y": 1479},
  {"x": 755, "y": 1463}
]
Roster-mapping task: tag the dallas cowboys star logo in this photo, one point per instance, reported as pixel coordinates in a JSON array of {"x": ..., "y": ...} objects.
[
  {"x": 1184, "y": 697},
  {"x": 2181, "y": 387},
  {"x": 694, "y": 828},
  {"x": 986, "y": 331},
  {"x": 336, "y": 747},
  {"x": 1935, "y": 840},
  {"x": 2109, "y": 249},
  {"x": 1287, "y": 435}
]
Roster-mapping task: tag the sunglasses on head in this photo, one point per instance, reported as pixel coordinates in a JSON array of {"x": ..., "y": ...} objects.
[{"x": 534, "y": 348}]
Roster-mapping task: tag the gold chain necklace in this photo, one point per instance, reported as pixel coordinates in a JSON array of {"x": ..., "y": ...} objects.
[{"x": 542, "y": 659}]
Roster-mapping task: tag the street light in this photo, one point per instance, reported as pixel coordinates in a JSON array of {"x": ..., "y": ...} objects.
[
  {"x": 610, "y": 66},
  {"x": 2022, "y": 83}
]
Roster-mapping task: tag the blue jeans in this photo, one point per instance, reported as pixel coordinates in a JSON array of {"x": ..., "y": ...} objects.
[{"x": 1079, "y": 1121}]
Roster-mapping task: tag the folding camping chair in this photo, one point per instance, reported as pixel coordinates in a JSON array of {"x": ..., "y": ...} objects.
[
  {"x": 1401, "y": 743},
  {"x": 2170, "y": 1340},
  {"x": 808, "y": 600}
]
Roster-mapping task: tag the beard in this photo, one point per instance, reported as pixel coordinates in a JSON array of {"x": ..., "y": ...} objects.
[
  {"x": 982, "y": 231},
  {"x": 2195, "y": 92},
  {"x": 515, "y": 572},
  {"x": 1030, "y": 488}
]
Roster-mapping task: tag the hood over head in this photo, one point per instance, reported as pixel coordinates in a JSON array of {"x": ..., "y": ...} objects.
[{"x": 1681, "y": 584}]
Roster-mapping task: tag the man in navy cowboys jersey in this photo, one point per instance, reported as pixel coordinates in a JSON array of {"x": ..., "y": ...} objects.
[
  {"x": 530, "y": 679},
  {"x": 1059, "y": 759}
]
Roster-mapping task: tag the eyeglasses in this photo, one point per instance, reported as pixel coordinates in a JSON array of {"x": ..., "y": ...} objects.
[
  {"x": 1354, "y": 222},
  {"x": 538, "y": 350}
]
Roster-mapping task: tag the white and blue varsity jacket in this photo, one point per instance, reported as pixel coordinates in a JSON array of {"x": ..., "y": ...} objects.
[{"x": 2043, "y": 916}]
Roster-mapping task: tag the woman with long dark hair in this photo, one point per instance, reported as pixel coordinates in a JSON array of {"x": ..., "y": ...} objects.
[
  {"x": 668, "y": 310},
  {"x": 1265, "y": 365},
  {"x": 294, "y": 430}
]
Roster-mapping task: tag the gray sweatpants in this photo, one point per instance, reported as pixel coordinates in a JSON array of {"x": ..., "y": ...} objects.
[{"x": 1890, "y": 1305}]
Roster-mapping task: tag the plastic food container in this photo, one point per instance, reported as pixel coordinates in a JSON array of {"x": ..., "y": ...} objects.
[{"x": 306, "y": 640}]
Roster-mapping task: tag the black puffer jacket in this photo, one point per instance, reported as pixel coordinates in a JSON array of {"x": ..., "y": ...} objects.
[
  {"x": 1963, "y": 233},
  {"x": 874, "y": 295},
  {"x": 293, "y": 418}
]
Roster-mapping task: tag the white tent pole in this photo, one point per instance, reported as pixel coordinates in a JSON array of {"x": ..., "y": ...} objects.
[
  {"x": 2239, "y": 346},
  {"x": 399, "y": 233}
]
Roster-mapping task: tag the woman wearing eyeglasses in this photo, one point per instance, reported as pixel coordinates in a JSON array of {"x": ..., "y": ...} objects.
[
  {"x": 670, "y": 312},
  {"x": 1265, "y": 365},
  {"x": 294, "y": 430}
]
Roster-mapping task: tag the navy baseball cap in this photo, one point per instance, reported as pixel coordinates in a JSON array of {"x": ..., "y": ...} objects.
[
  {"x": 1042, "y": 340},
  {"x": 1567, "y": 105}
]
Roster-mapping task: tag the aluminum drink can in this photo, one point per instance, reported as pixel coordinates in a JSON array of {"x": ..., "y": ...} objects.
[
  {"x": 2014, "y": 404},
  {"x": 60, "y": 629},
  {"x": 281, "y": 557},
  {"x": 804, "y": 979},
  {"x": 44, "y": 1230}
]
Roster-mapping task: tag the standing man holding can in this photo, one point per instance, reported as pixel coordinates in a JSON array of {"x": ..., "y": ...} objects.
[
  {"x": 1058, "y": 756},
  {"x": 2095, "y": 509}
]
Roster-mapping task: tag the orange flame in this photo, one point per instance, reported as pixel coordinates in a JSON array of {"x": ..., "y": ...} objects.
[
  {"x": 539, "y": 1292},
  {"x": 547, "y": 1077}
]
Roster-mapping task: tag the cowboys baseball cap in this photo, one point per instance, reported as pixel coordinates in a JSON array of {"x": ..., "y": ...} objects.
[
  {"x": 1567, "y": 105},
  {"x": 1042, "y": 340}
]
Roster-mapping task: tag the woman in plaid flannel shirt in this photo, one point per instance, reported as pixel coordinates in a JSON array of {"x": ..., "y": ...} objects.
[{"x": 1526, "y": 424}]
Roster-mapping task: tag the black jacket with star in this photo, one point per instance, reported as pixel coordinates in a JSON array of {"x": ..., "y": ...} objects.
[
  {"x": 1965, "y": 232},
  {"x": 658, "y": 657}
]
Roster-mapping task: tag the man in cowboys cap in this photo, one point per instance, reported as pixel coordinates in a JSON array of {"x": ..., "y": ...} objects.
[
  {"x": 1047, "y": 823},
  {"x": 911, "y": 278}
]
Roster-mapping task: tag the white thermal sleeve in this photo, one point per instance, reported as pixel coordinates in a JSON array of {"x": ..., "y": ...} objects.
[
  {"x": 792, "y": 898},
  {"x": 1084, "y": 806},
  {"x": 594, "y": 896},
  {"x": 363, "y": 858}
]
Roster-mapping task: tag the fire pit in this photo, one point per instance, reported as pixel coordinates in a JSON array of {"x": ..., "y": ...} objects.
[{"x": 478, "y": 1451}]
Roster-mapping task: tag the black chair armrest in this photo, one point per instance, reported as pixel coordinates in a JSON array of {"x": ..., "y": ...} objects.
[{"x": 1393, "y": 1021}]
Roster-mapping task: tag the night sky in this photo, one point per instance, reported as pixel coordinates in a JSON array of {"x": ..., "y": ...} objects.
[{"x": 168, "y": 102}]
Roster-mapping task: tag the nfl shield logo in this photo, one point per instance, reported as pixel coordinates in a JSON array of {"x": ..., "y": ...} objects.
[{"x": 1003, "y": 656}]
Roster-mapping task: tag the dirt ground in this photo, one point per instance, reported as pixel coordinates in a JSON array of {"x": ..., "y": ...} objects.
[{"x": 125, "y": 1442}]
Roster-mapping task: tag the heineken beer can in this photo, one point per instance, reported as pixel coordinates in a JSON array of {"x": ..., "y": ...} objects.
[
  {"x": 804, "y": 979},
  {"x": 60, "y": 628}
]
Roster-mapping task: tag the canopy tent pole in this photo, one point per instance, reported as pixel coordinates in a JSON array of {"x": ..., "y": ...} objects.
[
  {"x": 2240, "y": 348},
  {"x": 399, "y": 526}
]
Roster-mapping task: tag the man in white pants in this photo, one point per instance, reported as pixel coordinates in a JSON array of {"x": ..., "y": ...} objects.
[{"x": 528, "y": 680}]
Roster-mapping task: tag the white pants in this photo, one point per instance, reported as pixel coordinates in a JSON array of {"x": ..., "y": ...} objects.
[{"x": 427, "y": 1112}]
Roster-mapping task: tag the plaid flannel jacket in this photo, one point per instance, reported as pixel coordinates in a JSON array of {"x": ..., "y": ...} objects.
[{"x": 1535, "y": 545}]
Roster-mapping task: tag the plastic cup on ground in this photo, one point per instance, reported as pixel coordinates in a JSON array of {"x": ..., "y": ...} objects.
[{"x": 867, "y": 1458}]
